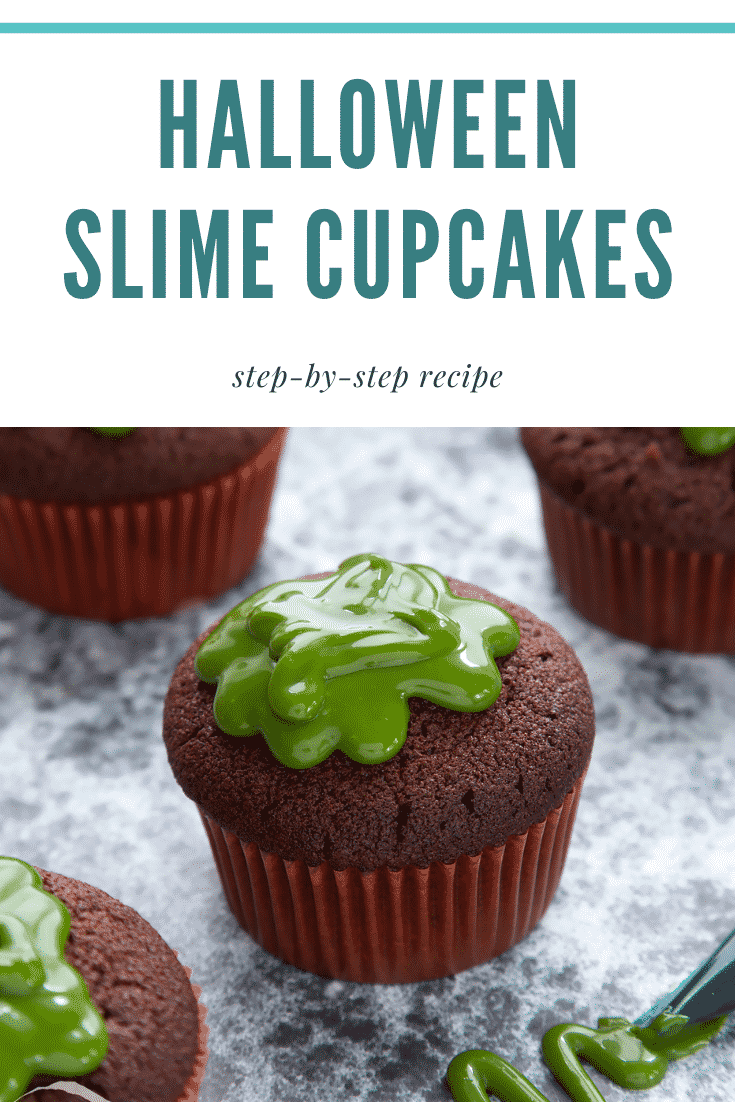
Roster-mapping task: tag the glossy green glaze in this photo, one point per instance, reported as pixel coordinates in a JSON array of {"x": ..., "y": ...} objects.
[
  {"x": 709, "y": 441},
  {"x": 477, "y": 1075},
  {"x": 629, "y": 1055},
  {"x": 317, "y": 665},
  {"x": 48, "y": 1023},
  {"x": 113, "y": 432},
  {"x": 632, "y": 1056}
]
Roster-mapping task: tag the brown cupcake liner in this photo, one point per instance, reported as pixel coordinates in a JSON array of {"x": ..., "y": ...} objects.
[
  {"x": 139, "y": 558},
  {"x": 684, "y": 600},
  {"x": 190, "y": 1092},
  {"x": 65, "y": 1089},
  {"x": 395, "y": 926}
]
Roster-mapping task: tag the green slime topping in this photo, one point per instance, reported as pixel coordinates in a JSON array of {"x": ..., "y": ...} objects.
[
  {"x": 113, "y": 432},
  {"x": 635, "y": 1057},
  {"x": 316, "y": 665},
  {"x": 48, "y": 1023},
  {"x": 632, "y": 1056},
  {"x": 709, "y": 441},
  {"x": 475, "y": 1075}
]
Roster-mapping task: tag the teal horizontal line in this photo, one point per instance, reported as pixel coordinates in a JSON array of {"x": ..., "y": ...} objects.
[{"x": 367, "y": 28}]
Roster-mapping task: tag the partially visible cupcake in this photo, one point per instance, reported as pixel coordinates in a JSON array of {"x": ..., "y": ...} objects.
[
  {"x": 401, "y": 805},
  {"x": 641, "y": 529},
  {"x": 112, "y": 525},
  {"x": 92, "y": 995}
]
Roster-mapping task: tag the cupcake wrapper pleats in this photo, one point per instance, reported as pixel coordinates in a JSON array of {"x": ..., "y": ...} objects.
[
  {"x": 684, "y": 600},
  {"x": 139, "y": 558},
  {"x": 194, "y": 1082},
  {"x": 395, "y": 926}
]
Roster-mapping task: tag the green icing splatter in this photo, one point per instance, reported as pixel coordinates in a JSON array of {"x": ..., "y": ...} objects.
[
  {"x": 635, "y": 1057},
  {"x": 632, "y": 1056},
  {"x": 113, "y": 432},
  {"x": 48, "y": 1023},
  {"x": 317, "y": 665},
  {"x": 476, "y": 1075},
  {"x": 709, "y": 441}
]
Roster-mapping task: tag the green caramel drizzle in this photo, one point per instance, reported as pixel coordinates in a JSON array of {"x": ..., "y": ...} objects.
[
  {"x": 709, "y": 441},
  {"x": 48, "y": 1023},
  {"x": 113, "y": 432},
  {"x": 321, "y": 664},
  {"x": 634, "y": 1057}
]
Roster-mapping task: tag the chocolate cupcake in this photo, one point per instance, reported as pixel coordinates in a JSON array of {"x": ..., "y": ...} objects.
[
  {"x": 113, "y": 525},
  {"x": 402, "y": 807},
  {"x": 91, "y": 995},
  {"x": 641, "y": 530}
]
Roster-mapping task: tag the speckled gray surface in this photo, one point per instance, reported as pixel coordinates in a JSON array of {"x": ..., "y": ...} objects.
[{"x": 649, "y": 885}]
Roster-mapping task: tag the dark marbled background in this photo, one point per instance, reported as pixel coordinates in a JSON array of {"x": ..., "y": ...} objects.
[{"x": 649, "y": 886}]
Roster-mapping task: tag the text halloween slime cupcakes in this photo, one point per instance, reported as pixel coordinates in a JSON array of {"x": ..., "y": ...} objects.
[
  {"x": 401, "y": 804},
  {"x": 90, "y": 994}
]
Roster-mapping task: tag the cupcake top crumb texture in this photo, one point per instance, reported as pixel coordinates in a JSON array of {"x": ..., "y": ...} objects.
[
  {"x": 137, "y": 983},
  {"x": 80, "y": 466},
  {"x": 645, "y": 484},
  {"x": 462, "y": 781}
]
